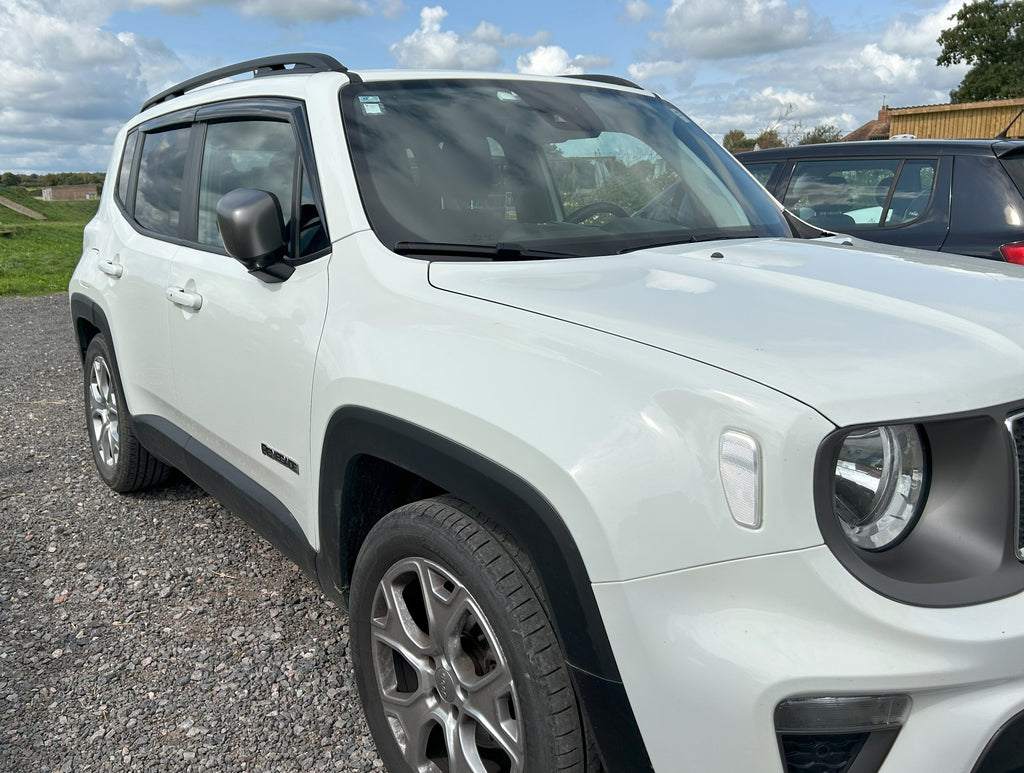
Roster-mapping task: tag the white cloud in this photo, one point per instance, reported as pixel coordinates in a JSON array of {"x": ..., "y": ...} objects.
[
  {"x": 636, "y": 11},
  {"x": 295, "y": 11},
  {"x": 913, "y": 36},
  {"x": 715, "y": 60},
  {"x": 681, "y": 72},
  {"x": 391, "y": 9},
  {"x": 889, "y": 68},
  {"x": 491, "y": 34},
  {"x": 69, "y": 84},
  {"x": 430, "y": 47},
  {"x": 283, "y": 13},
  {"x": 555, "y": 60},
  {"x": 734, "y": 28}
]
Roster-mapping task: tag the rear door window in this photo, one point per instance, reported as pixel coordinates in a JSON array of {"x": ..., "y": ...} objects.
[
  {"x": 124, "y": 173},
  {"x": 847, "y": 194},
  {"x": 161, "y": 179},
  {"x": 763, "y": 171},
  {"x": 912, "y": 193}
]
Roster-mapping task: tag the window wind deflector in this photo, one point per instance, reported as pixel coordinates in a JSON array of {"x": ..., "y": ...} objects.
[{"x": 499, "y": 251}]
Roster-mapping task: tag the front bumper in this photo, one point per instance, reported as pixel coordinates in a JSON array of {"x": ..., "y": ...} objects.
[{"x": 707, "y": 654}]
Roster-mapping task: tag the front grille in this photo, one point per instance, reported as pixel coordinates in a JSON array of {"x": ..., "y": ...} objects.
[
  {"x": 1015, "y": 424},
  {"x": 830, "y": 753}
]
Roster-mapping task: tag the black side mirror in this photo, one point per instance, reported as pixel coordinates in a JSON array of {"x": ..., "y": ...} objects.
[{"x": 252, "y": 228}]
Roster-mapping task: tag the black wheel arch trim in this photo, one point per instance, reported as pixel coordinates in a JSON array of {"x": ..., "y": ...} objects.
[
  {"x": 356, "y": 432},
  {"x": 85, "y": 309}
]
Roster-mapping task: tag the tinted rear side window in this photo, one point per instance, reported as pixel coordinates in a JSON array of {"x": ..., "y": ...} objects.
[
  {"x": 1014, "y": 166},
  {"x": 912, "y": 193},
  {"x": 124, "y": 174},
  {"x": 842, "y": 194},
  {"x": 987, "y": 208},
  {"x": 763, "y": 172},
  {"x": 161, "y": 176}
]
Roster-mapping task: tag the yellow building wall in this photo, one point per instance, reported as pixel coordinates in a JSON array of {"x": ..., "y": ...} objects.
[{"x": 970, "y": 120}]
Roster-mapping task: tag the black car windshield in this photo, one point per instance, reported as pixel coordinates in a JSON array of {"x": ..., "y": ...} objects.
[{"x": 533, "y": 170}]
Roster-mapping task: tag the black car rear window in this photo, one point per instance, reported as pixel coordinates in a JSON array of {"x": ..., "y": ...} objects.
[{"x": 1014, "y": 166}]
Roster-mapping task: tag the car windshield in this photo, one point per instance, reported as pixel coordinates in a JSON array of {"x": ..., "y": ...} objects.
[{"x": 489, "y": 168}]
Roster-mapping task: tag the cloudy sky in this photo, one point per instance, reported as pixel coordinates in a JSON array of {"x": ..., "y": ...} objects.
[{"x": 71, "y": 71}]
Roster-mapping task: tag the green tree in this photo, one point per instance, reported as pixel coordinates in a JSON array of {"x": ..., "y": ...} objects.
[
  {"x": 989, "y": 36},
  {"x": 823, "y": 132},
  {"x": 769, "y": 138},
  {"x": 737, "y": 139},
  {"x": 10, "y": 179}
]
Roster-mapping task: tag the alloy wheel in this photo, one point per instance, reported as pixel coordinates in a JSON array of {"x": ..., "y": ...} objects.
[
  {"x": 103, "y": 413},
  {"x": 446, "y": 687}
]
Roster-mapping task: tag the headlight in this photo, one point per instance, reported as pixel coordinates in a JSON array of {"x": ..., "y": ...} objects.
[{"x": 879, "y": 485}]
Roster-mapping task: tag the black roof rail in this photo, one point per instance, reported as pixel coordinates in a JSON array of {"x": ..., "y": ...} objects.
[
  {"x": 268, "y": 65},
  {"x": 615, "y": 80}
]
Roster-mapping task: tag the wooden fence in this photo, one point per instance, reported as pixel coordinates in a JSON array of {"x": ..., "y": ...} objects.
[{"x": 969, "y": 120}]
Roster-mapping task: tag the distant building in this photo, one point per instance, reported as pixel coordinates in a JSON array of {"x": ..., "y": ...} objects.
[
  {"x": 71, "y": 192},
  {"x": 872, "y": 130},
  {"x": 964, "y": 121}
]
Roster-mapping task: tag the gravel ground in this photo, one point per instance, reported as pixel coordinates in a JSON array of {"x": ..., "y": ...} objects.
[{"x": 152, "y": 631}]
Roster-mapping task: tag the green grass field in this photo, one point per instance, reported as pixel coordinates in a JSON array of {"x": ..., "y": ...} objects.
[{"x": 38, "y": 256}]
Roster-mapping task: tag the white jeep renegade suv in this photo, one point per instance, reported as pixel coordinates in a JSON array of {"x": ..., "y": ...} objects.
[{"x": 616, "y": 463}]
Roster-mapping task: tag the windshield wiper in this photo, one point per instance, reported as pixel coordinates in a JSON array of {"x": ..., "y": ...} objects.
[
  {"x": 708, "y": 237},
  {"x": 499, "y": 251},
  {"x": 648, "y": 245}
]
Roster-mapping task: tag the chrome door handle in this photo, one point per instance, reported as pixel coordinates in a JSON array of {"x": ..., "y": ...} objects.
[
  {"x": 110, "y": 268},
  {"x": 185, "y": 299}
]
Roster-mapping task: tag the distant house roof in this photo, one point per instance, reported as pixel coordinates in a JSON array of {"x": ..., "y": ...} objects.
[{"x": 872, "y": 130}]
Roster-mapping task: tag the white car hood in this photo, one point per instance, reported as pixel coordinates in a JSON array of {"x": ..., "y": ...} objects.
[{"x": 858, "y": 333}]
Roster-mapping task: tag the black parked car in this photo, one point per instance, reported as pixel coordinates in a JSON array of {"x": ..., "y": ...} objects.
[{"x": 963, "y": 196}]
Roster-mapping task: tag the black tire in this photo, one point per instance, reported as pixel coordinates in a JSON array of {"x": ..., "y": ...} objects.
[
  {"x": 120, "y": 459},
  {"x": 496, "y": 678}
]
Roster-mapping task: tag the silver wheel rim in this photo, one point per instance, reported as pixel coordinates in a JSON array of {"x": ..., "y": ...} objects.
[
  {"x": 444, "y": 682},
  {"x": 103, "y": 416}
]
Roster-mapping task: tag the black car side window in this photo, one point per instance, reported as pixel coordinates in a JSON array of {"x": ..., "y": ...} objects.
[
  {"x": 841, "y": 194},
  {"x": 763, "y": 171},
  {"x": 912, "y": 193},
  {"x": 847, "y": 194}
]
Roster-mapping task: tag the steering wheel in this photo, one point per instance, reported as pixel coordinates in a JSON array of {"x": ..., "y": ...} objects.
[{"x": 596, "y": 208}]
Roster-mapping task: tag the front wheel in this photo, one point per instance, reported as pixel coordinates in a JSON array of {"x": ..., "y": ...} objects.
[{"x": 456, "y": 660}]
